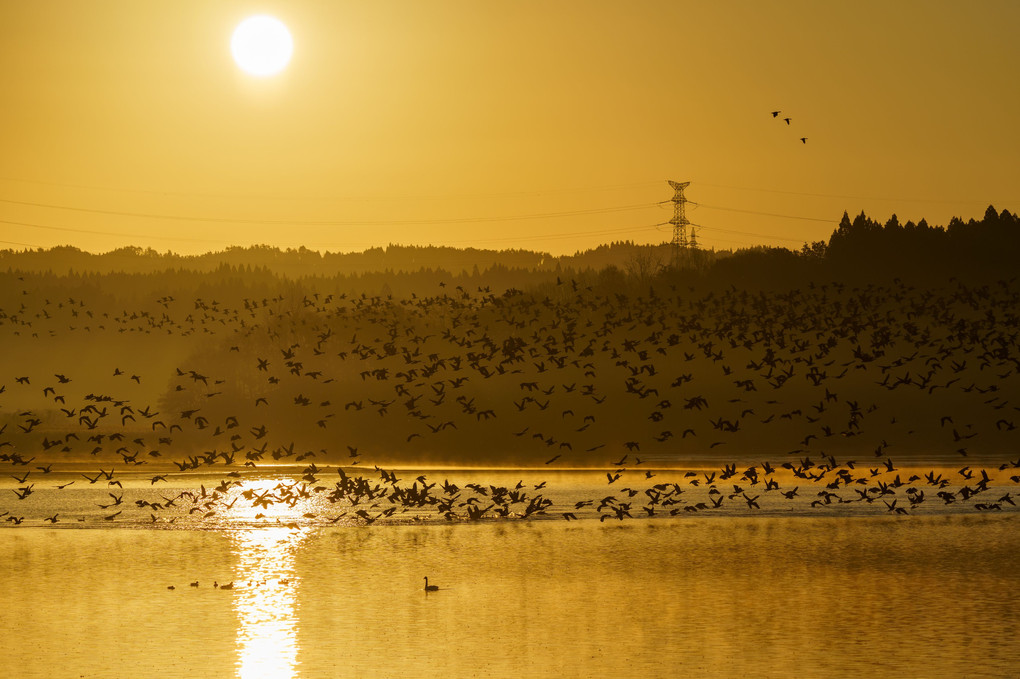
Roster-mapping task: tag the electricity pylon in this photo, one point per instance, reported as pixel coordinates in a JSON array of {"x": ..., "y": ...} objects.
[{"x": 681, "y": 241}]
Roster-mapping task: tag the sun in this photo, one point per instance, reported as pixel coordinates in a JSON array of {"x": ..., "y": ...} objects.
[{"x": 261, "y": 45}]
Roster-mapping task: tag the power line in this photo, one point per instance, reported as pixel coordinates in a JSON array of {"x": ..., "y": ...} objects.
[
  {"x": 386, "y": 197},
  {"x": 766, "y": 214},
  {"x": 749, "y": 233},
  {"x": 530, "y": 192},
  {"x": 601, "y": 232},
  {"x": 363, "y": 222},
  {"x": 433, "y": 221},
  {"x": 109, "y": 233},
  {"x": 27, "y": 245},
  {"x": 572, "y": 234},
  {"x": 711, "y": 236},
  {"x": 844, "y": 197},
  {"x": 712, "y": 240}
]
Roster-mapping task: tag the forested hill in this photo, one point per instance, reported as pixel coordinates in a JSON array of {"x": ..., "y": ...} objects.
[
  {"x": 858, "y": 248},
  {"x": 296, "y": 263}
]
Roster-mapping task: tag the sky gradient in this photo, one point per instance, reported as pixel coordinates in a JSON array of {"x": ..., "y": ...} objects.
[{"x": 542, "y": 125}]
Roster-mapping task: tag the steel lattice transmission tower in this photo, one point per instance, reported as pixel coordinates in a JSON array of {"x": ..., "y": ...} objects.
[{"x": 682, "y": 242}]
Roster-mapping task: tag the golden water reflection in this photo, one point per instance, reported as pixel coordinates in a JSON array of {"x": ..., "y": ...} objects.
[{"x": 265, "y": 601}]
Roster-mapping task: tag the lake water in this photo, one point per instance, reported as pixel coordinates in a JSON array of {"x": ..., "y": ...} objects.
[{"x": 770, "y": 594}]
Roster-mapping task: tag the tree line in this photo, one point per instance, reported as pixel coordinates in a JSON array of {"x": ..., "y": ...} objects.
[{"x": 859, "y": 248}]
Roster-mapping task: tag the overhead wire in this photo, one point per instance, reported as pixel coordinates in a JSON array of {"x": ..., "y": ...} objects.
[
  {"x": 842, "y": 196},
  {"x": 353, "y": 222},
  {"x": 429, "y": 221},
  {"x": 748, "y": 233},
  {"x": 108, "y": 233},
  {"x": 572, "y": 234},
  {"x": 27, "y": 245},
  {"x": 537, "y": 191},
  {"x": 389, "y": 197},
  {"x": 713, "y": 238},
  {"x": 556, "y": 236},
  {"x": 765, "y": 214}
]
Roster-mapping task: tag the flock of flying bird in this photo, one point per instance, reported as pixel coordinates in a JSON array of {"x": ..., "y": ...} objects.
[
  {"x": 787, "y": 120},
  {"x": 676, "y": 394}
]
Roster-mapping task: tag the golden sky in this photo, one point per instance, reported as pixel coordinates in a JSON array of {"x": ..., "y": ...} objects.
[{"x": 549, "y": 125}]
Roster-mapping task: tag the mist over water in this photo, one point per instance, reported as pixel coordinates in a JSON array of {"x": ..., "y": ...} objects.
[{"x": 604, "y": 473}]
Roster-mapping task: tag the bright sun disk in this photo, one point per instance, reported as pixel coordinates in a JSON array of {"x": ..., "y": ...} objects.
[{"x": 261, "y": 45}]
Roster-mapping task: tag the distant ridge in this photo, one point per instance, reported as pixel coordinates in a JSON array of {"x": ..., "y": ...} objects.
[{"x": 858, "y": 247}]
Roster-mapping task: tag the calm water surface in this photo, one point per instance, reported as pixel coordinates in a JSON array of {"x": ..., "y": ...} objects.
[{"x": 701, "y": 597}]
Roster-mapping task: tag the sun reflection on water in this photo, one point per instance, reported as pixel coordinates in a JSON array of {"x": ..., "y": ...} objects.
[
  {"x": 265, "y": 602},
  {"x": 266, "y": 500}
]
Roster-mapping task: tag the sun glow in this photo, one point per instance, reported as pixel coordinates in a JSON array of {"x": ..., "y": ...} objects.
[{"x": 261, "y": 45}]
